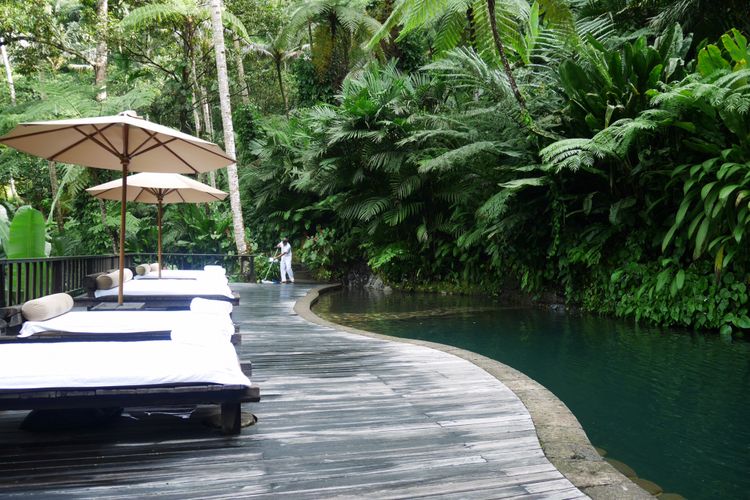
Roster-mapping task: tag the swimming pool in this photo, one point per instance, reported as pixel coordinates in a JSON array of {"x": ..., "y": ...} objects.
[{"x": 672, "y": 405}]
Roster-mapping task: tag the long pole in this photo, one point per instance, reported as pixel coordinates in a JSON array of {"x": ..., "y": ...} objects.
[
  {"x": 125, "y": 161},
  {"x": 158, "y": 223}
]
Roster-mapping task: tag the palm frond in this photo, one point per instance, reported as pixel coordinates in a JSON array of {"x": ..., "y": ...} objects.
[
  {"x": 459, "y": 156},
  {"x": 152, "y": 13}
]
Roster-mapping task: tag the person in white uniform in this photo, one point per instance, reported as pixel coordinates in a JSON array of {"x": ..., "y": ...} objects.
[{"x": 285, "y": 254}]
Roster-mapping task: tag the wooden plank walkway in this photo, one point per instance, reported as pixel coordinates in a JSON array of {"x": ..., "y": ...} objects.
[{"x": 342, "y": 416}]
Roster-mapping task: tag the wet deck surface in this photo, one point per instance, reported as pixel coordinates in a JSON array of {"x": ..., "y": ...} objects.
[{"x": 342, "y": 416}]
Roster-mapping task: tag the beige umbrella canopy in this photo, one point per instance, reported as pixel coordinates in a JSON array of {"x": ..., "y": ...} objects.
[
  {"x": 159, "y": 189},
  {"x": 122, "y": 142}
]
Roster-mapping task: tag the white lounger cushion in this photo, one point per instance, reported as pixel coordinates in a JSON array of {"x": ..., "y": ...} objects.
[
  {"x": 208, "y": 306},
  {"x": 215, "y": 269},
  {"x": 111, "y": 280},
  {"x": 184, "y": 274},
  {"x": 47, "y": 307},
  {"x": 191, "y": 288},
  {"x": 41, "y": 365},
  {"x": 130, "y": 322}
]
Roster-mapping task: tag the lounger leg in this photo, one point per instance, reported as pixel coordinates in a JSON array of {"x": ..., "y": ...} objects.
[{"x": 231, "y": 418}]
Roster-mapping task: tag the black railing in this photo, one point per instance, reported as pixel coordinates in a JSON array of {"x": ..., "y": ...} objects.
[{"x": 27, "y": 279}]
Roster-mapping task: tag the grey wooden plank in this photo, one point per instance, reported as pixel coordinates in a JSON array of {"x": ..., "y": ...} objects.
[{"x": 342, "y": 416}]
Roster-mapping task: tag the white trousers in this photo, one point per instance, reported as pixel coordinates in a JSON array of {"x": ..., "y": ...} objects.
[{"x": 286, "y": 268}]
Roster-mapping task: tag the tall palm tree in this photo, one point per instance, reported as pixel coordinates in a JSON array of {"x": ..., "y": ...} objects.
[
  {"x": 100, "y": 67},
  {"x": 217, "y": 30},
  {"x": 186, "y": 18},
  {"x": 279, "y": 48},
  {"x": 340, "y": 23},
  {"x": 8, "y": 72}
]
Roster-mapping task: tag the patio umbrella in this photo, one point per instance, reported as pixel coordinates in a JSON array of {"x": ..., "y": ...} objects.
[
  {"x": 122, "y": 142},
  {"x": 159, "y": 189}
]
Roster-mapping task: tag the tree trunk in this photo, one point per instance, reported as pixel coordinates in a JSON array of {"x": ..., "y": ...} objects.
[
  {"x": 504, "y": 58},
  {"x": 206, "y": 109},
  {"x": 209, "y": 123},
  {"x": 54, "y": 186},
  {"x": 8, "y": 73},
  {"x": 244, "y": 94},
  {"x": 226, "y": 120},
  {"x": 100, "y": 63},
  {"x": 281, "y": 86},
  {"x": 13, "y": 193},
  {"x": 196, "y": 99},
  {"x": 188, "y": 40}
]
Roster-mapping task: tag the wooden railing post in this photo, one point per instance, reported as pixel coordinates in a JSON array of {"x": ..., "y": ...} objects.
[
  {"x": 58, "y": 284},
  {"x": 3, "y": 300}
]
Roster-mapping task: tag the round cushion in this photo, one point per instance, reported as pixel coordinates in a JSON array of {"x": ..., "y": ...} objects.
[
  {"x": 47, "y": 307},
  {"x": 143, "y": 269},
  {"x": 155, "y": 267},
  {"x": 111, "y": 280}
]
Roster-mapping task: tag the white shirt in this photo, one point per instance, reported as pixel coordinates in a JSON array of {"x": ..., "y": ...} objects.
[{"x": 286, "y": 250}]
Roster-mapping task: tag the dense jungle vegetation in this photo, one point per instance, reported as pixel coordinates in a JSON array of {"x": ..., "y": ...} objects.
[{"x": 595, "y": 151}]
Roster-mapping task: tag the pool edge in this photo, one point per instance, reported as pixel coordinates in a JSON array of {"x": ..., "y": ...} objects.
[{"x": 560, "y": 435}]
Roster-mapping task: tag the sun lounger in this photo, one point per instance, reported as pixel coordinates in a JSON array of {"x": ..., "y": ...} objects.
[
  {"x": 123, "y": 326},
  {"x": 125, "y": 374},
  {"x": 158, "y": 294},
  {"x": 174, "y": 274},
  {"x": 48, "y": 320},
  {"x": 151, "y": 271}
]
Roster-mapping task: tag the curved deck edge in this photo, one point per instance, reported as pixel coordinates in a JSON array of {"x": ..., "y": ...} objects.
[{"x": 561, "y": 436}]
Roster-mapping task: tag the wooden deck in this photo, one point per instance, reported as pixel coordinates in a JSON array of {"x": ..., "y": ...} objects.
[{"x": 342, "y": 416}]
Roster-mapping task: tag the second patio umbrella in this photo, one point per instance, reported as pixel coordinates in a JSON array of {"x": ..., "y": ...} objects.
[
  {"x": 123, "y": 142},
  {"x": 158, "y": 189}
]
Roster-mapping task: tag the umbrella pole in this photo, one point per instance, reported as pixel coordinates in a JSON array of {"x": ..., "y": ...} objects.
[
  {"x": 158, "y": 223},
  {"x": 125, "y": 160},
  {"x": 122, "y": 230}
]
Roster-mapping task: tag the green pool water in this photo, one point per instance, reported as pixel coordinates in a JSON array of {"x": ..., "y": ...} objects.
[{"x": 672, "y": 405}]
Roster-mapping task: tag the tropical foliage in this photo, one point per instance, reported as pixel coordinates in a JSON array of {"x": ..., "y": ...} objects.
[{"x": 591, "y": 152}]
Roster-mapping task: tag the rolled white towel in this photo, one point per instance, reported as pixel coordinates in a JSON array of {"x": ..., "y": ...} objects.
[{"x": 209, "y": 306}]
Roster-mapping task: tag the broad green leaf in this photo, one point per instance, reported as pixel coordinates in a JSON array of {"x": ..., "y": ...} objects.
[
  {"x": 738, "y": 232},
  {"x": 741, "y": 196},
  {"x": 700, "y": 238},
  {"x": 736, "y": 47},
  {"x": 26, "y": 238},
  {"x": 719, "y": 261},
  {"x": 673, "y": 288},
  {"x": 682, "y": 211},
  {"x": 729, "y": 169},
  {"x": 662, "y": 279},
  {"x": 742, "y": 322},
  {"x": 707, "y": 189},
  {"x": 710, "y": 60},
  {"x": 680, "y": 279},
  {"x": 668, "y": 237}
]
